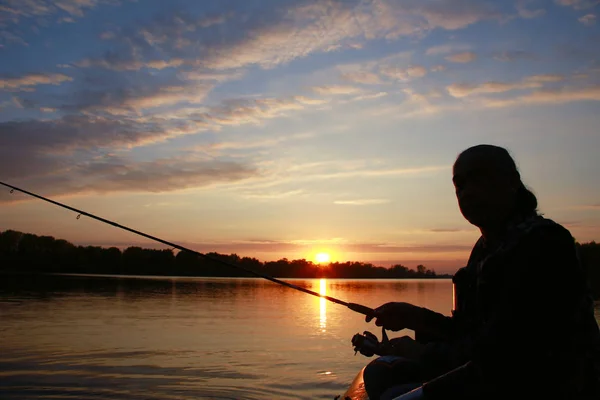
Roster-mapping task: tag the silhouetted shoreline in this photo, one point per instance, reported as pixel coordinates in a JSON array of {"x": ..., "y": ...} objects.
[
  {"x": 26, "y": 252},
  {"x": 29, "y": 253}
]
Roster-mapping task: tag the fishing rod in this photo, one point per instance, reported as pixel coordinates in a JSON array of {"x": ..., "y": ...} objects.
[{"x": 353, "y": 306}]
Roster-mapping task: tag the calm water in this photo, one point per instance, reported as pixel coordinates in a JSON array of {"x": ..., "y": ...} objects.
[{"x": 67, "y": 337}]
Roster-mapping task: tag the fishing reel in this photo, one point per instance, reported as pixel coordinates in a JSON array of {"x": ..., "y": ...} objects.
[{"x": 368, "y": 344}]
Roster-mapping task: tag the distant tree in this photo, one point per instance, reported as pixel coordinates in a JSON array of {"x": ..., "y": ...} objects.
[{"x": 590, "y": 258}]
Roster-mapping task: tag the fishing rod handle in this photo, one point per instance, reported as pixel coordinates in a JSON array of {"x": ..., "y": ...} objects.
[{"x": 359, "y": 308}]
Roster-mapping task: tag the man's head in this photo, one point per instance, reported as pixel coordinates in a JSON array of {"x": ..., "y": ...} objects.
[{"x": 489, "y": 188}]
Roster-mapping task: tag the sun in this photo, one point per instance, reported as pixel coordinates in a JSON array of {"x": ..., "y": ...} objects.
[{"x": 322, "y": 257}]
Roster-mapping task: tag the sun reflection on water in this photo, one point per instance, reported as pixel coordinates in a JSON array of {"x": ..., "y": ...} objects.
[{"x": 323, "y": 304}]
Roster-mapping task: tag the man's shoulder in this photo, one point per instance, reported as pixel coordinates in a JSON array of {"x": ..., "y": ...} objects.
[{"x": 545, "y": 231}]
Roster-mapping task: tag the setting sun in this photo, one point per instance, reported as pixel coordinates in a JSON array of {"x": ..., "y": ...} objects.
[{"x": 322, "y": 257}]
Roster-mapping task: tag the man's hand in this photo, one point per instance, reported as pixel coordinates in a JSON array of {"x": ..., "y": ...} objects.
[{"x": 397, "y": 316}]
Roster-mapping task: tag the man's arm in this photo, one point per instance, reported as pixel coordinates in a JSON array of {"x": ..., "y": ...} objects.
[{"x": 532, "y": 318}]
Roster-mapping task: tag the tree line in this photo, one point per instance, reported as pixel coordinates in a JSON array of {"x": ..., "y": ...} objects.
[{"x": 26, "y": 252}]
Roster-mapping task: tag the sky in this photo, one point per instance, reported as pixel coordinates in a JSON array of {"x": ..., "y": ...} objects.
[{"x": 285, "y": 128}]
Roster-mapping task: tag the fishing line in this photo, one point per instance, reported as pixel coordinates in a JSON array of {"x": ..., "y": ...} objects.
[{"x": 353, "y": 306}]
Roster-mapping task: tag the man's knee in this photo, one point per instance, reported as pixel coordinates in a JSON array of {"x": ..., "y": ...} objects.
[{"x": 387, "y": 371}]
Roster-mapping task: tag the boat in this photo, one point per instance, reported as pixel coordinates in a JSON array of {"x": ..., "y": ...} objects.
[{"x": 356, "y": 390}]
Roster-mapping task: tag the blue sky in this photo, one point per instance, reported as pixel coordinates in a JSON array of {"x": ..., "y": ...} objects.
[{"x": 285, "y": 128}]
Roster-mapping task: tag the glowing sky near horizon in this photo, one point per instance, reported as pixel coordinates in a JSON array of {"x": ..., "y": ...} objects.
[{"x": 289, "y": 128}]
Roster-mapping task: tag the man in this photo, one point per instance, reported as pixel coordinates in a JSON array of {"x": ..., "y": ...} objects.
[{"x": 524, "y": 325}]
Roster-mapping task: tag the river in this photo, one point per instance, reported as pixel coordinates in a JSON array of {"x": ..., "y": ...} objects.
[{"x": 100, "y": 337}]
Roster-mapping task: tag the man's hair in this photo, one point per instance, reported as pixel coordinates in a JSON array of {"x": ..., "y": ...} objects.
[{"x": 526, "y": 203}]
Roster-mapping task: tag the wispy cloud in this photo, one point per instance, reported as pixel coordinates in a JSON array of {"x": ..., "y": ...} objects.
[
  {"x": 364, "y": 77},
  {"x": 588, "y": 19},
  {"x": 447, "y": 48},
  {"x": 524, "y": 11},
  {"x": 129, "y": 65},
  {"x": 26, "y": 81},
  {"x": 366, "y": 173},
  {"x": 274, "y": 176},
  {"x": 588, "y": 207},
  {"x": 545, "y": 78},
  {"x": 535, "y": 81},
  {"x": 112, "y": 174},
  {"x": 449, "y": 230},
  {"x": 463, "y": 89},
  {"x": 286, "y": 32},
  {"x": 273, "y": 195},
  {"x": 304, "y": 246},
  {"x": 549, "y": 96},
  {"x": 403, "y": 74},
  {"x": 254, "y": 144},
  {"x": 578, "y": 4},
  {"x": 336, "y": 89},
  {"x": 464, "y": 57},
  {"x": 116, "y": 101},
  {"x": 362, "y": 202},
  {"x": 40, "y": 13},
  {"x": 514, "y": 55}
]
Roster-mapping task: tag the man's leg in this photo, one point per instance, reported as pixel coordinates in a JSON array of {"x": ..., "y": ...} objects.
[{"x": 388, "y": 372}]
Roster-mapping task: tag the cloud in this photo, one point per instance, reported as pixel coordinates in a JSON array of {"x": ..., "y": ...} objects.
[
  {"x": 129, "y": 65},
  {"x": 202, "y": 75},
  {"x": 464, "y": 57},
  {"x": 446, "y": 49},
  {"x": 288, "y": 31},
  {"x": 32, "y": 149},
  {"x": 414, "y": 71},
  {"x": 514, "y": 55},
  {"x": 300, "y": 247},
  {"x": 577, "y": 4},
  {"x": 40, "y": 13},
  {"x": 549, "y": 96},
  {"x": 277, "y": 175},
  {"x": 336, "y": 23},
  {"x": 418, "y": 104},
  {"x": 545, "y": 78},
  {"x": 588, "y": 20},
  {"x": 26, "y": 81},
  {"x": 116, "y": 95},
  {"x": 438, "y": 68},
  {"x": 460, "y": 90},
  {"x": 79, "y": 132},
  {"x": 370, "y": 96},
  {"x": 364, "y": 77},
  {"x": 368, "y": 173},
  {"x": 362, "y": 202},
  {"x": 112, "y": 174},
  {"x": 394, "y": 248},
  {"x": 463, "y": 89},
  {"x": 590, "y": 207},
  {"x": 525, "y": 12},
  {"x": 336, "y": 89},
  {"x": 274, "y": 195},
  {"x": 449, "y": 230},
  {"x": 14, "y": 10},
  {"x": 253, "y": 111},
  {"x": 254, "y": 144}
]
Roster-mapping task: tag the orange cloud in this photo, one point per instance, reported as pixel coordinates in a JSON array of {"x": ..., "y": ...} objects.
[
  {"x": 464, "y": 57},
  {"x": 33, "y": 80},
  {"x": 553, "y": 96}
]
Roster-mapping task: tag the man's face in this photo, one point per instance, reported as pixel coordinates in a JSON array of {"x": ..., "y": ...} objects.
[{"x": 486, "y": 194}]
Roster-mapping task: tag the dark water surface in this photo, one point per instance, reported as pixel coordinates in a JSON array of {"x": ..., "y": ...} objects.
[{"x": 75, "y": 337}]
